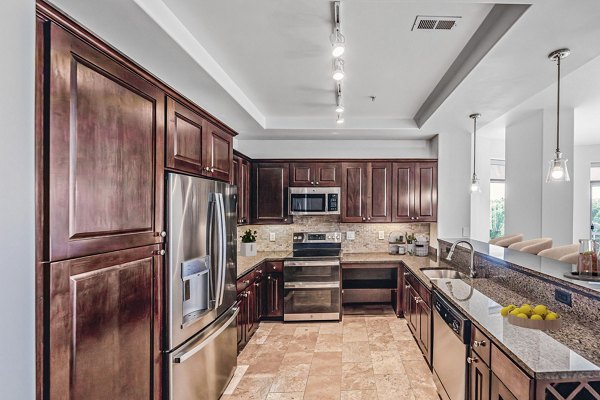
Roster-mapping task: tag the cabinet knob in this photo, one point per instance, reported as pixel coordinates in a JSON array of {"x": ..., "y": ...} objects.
[
  {"x": 246, "y": 282},
  {"x": 364, "y": 219},
  {"x": 212, "y": 169},
  {"x": 269, "y": 277},
  {"x": 245, "y": 294},
  {"x": 158, "y": 253},
  {"x": 285, "y": 220},
  {"x": 163, "y": 234},
  {"x": 479, "y": 343},
  {"x": 406, "y": 286},
  {"x": 316, "y": 183},
  {"x": 412, "y": 218},
  {"x": 274, "y": 267},
  {"x": 257, "y": 284},
  {"x": 368, "y": 219},
  {"x": 406, "y": 273},
  {"x": 417, "y": 217},
  {"x": 472, "y": 360},
  {"x": 418, "y": 300}
]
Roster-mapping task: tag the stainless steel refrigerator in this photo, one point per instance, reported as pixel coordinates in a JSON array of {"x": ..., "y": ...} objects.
[{"x": 200, "y": 332}]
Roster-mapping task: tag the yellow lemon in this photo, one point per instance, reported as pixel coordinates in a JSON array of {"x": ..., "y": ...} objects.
[
  {"x": 551, "y": 316},
  {"x": 504, "y": 312},
  {"x": 516, "y": 311},
  {"x": 523, "y": 315},
  {"x": 540, "y": 310},
  {"x": 526, "y": 309},
  {"x": 536, "y": 317}
]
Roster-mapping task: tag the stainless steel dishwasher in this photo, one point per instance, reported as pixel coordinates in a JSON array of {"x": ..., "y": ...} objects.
[{"x": 451, "y": 338}]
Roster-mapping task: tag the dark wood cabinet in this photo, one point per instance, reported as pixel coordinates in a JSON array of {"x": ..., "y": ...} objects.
[
  {"x": 218, "y": 152},
  {"x": 479, "y": 379},
  {"x": 241, "y": 320},
  {"x": 500, "y": 391},
  {"x": 366, "y": 192},
  {"x": 354, "y": 192},
  {"x": 315, "y": 174},
  {"x": 240, "y": 176},
  {"x": 379, "y": 194},
  {"x": 196, "y": 145},
  {"x": 270, "y": 182},
  {"x": 417, "y": 312},
  {"x": 414, "y": 192},
  {"x": 274, "y": 295},
  {"x": 104, "y": 331},
  {"x": 106, "y": 146}
]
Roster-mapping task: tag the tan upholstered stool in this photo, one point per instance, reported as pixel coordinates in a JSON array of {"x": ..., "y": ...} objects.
[
  {"x": 506, "y": 241},
  {"x": 560, "y": 251},
  {"x": 570, "y": 258},
  {"x": 533, "y": 246}
]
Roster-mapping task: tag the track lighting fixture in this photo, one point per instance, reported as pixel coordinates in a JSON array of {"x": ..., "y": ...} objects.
[
  {"x": 340, "y": 119},
  {"x": 339, "y": 108},
  {"x": 557, "y": 169},
  {"x": 338, "y": 69},
  {"x": 338, "y": 41},
  {"x": 475, "y": 187}
]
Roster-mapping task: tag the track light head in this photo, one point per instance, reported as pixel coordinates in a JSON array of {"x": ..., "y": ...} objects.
[
  {"x": 338, "y": 43},
  {"x": 338, "y": 69}
]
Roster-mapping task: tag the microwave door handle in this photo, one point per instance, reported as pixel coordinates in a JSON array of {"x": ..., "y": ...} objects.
[
  {"x": 209, "y": 235},
  {"x": 222, "y": 246}
]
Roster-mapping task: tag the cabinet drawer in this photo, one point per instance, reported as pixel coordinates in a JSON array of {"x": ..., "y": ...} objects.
[
  {"x": 517, "y": 381},
  {"x": 273, "y": 266},
  {"x": 481, "y": 345},
  {"x": 422, "y": 291},
  {"x": 245, "y": 281}
]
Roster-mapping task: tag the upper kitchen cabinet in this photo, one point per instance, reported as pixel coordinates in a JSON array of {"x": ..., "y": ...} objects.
[
  {"x": 270, "y": 182},
  {"x": 366, "y": 192},
  {"x": 414, "y": 192},
  {"x": 218, "y": 151},
  {"x": 105, "y": 152},
  {"x": 315, "y": 174},
  {"x": 240, "y": 176},
  {"x": 195, "y": 145}
]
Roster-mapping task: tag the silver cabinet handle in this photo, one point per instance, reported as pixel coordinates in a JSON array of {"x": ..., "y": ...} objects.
[
  {"x": 245, "y": 282},
  {"x": 479, "y": 343},
  {"x": 407, "y": 287},
  {"x": 187, "y": 355},
  {"x": 158, "y": 253},
  {"x": 472, "y": 360},
  {"x": 406, "y": 273},
  {"x": 163, "y": 234}
]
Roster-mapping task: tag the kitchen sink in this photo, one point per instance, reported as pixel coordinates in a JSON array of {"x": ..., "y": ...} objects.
[{"x": 439, "y": 273}]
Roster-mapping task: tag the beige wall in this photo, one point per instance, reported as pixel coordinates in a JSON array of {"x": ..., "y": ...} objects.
[{"x": 366, "y": 234}]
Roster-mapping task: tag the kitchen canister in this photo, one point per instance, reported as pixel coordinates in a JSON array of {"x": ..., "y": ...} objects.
[{"x": 422, "y": 248}]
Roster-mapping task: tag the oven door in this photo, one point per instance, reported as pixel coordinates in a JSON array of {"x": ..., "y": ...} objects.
[
  {"x": 303, "y": 272},
  {"x": 318, "y": 302}
]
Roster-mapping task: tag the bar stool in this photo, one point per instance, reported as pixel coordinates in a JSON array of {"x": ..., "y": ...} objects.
[
  {"x": 533, "y": 246},
  {"x": 507, "y": 240},
  {"x": 556, "y": 253}
]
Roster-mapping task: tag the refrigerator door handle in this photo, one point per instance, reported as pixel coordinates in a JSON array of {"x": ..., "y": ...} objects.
[
  {"x": 222, "y": 247},
  {"x": 209, "y": 229},
  {"x": 188, "y": 354}
]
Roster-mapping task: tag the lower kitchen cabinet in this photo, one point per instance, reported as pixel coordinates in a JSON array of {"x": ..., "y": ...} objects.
[
  {"x": 104, "y": 333},
  {"x": 500, "y": 391},
  {"x": 479, "y": 379},
  {"x": 274, "y": 295},
  {"x": 417, "y": 312}
]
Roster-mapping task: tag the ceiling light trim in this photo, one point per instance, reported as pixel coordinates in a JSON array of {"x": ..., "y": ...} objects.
[{"x": 160, "y": 13}]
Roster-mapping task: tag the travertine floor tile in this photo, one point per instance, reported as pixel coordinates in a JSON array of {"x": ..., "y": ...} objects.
[{"x": 369, "y": 355}]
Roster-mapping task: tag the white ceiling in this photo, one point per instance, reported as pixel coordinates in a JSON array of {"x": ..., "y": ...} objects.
[{"x": 263, "y": 66}]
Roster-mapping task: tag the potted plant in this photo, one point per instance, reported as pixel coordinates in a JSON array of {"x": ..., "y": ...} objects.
[
  {"x": 410, "y": 240},
  {"x": 248, "y": 246}
]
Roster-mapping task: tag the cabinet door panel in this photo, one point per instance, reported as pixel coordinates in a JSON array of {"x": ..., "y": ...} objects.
[
  {"x": 380, "y": 195},
  {"x": 479, "y": 381},
  {"x": 425, "y": 329},
  {"x": 301, "y": 174},
  {"x": 354, "y": 188},
  {"x": 104, "y": 328},
  {"x": 218, "y": 151},
  {"x": 244, "y": 191},
  {"x": 426, "y": 191},
  {"x": 501, "y": 392},
  {"x": 241, "y": 321},
  {"x": 328, "y": 174},
  {"x": 403, "y": 199},
  {"x": 106, "y": 141},
  {"x": 184, "y": 138},
  {"x": 270, "y": 183},
  {"x": 275, "y": 295}
]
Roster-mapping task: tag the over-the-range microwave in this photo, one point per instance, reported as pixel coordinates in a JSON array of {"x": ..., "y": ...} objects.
[{"x": 314, "y": 201}]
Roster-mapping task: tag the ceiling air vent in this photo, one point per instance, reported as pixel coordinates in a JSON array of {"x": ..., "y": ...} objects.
[{"x": 427, "y": 22}]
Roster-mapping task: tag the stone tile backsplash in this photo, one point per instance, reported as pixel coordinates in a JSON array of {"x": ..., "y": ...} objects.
[{"x": 366, "y": 235}]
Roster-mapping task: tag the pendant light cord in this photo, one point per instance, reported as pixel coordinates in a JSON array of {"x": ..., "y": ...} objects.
[
  {"x": 474, "y": 143},
  {"x": 558, "y": 107}
]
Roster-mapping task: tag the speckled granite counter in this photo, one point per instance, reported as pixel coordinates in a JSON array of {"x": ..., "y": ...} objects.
[
  {"x": 544, "y": 355},
  {"x": 245, "y": 264}
]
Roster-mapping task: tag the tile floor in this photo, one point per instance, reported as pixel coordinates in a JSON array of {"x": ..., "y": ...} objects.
[{"x": 370, "y": 355}]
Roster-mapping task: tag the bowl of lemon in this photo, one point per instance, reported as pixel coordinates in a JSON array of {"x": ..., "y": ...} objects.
[{"x": 526, "y": 316}]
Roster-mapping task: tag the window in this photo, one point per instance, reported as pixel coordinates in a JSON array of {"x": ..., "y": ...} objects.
[
  {"x": 595, "y": 200},
  {"x": 497, "y": 190}
]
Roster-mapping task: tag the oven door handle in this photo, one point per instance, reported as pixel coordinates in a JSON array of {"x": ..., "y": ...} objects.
[
  {"x": 312, "y": 285},
  {"x": 312, "y": 263}
]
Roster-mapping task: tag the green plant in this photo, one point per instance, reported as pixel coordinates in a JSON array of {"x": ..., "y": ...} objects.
[
  {"x": 497, "y": 218},
  {"x": 410, "y": 238},
  {"x": 249, "y": 236}
]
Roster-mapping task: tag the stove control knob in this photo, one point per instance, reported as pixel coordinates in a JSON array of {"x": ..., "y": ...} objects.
[{"x": 455, "y": 326}]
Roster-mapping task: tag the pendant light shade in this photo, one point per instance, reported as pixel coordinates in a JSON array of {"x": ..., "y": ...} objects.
[
  {"x": 475, "y": 186},
  {"x": 557, "y": 167}
]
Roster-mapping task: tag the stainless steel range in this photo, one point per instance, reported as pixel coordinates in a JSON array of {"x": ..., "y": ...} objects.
[{"x": 312, "y": 290}]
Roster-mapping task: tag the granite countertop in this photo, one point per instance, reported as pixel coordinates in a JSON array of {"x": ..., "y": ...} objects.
[
  {"x": 544, "y": 355},
  {"x": 245, "y": 264}
]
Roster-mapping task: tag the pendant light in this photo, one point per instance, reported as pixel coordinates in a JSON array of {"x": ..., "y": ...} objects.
[
  {"x": 338, "y": 41},
  {"x": 475, "y": 187},
  {"x": 557, "y": 168}
]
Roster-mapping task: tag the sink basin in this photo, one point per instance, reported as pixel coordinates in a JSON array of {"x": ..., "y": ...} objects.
[{"x": 438, "y": 273}]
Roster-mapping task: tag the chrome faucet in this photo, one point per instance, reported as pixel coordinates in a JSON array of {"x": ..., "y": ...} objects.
[{"x": 451, "y": 253}]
